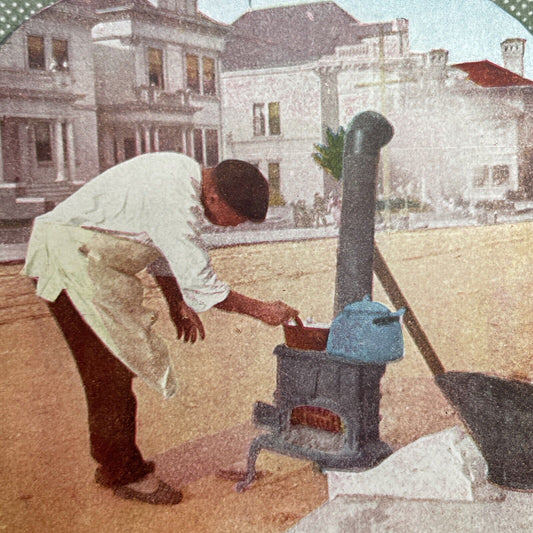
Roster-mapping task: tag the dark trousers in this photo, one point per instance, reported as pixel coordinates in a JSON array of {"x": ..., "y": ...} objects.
[{"x": 111, "y": 403}]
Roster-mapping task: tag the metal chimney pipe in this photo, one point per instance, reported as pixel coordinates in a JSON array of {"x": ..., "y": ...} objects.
[{"x": 367, "y": 134}]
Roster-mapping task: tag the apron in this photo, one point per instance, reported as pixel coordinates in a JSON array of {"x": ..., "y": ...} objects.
[{"x": 98, "y": 271}]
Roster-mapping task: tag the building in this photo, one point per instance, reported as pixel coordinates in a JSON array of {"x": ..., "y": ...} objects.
[
  {"x": 48, "y": 110},
  {"x": 86, "y": 84},
  {"x": 290, "y": 72},
  {"x": 157, "y": 79}
]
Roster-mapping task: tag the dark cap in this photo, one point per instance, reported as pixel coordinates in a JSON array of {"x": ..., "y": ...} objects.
[{"x": 243, "y": 188}]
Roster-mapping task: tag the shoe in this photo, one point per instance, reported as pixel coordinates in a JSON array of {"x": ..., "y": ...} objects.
[
  {"x": 163, "y": 495},
  {"x": 104, "y": 481}
]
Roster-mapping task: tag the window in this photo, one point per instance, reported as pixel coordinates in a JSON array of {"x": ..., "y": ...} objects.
[
  {"x": 36, "y": 52},
  {"x": 43, "y": 142},
  {"x": 129, "y": 147},
  {"x": 155, "y": 67},
  {"x": 59, "y": 54},
  {"x": 500, "y": 175},
  {"x": 211, "y": 146},
  {"x": 259, "y": 119},
  {"x": 481, "y": 176},
  {"x": 273, "y": 178},
  {"x": 495, "y": 176},
  {"x": 274, "y": 127},
  {"x": 193, "y": 73},
  {"x": 273, "y": 118},
  {"x": 209, "y": 86},
  {"x": 198, "y": 145}
]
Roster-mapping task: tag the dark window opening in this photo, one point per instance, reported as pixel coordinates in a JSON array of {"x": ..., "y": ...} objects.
[
  {"x": 43, "y": 142},
  {"x": 36, "y": 52},
  {"x": 59, "y": 54},
  {"x": 193, "y": 73},
  {"x": 209, "y": 84},
  {"x": 155, "y": 68},
  {"x": 198, "y": 145},
  {"x": 211, "y": 145},
  {"x": 259, "y": 119},
  {"x": 273, "y": 118},
  {"x": 129, "y": 147}
]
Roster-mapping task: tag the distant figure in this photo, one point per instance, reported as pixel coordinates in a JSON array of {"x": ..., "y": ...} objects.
[
  {"x": 334, "y": 207},
  {"x": 303, "y": 218},
  {"x": 320, "y": 210}
]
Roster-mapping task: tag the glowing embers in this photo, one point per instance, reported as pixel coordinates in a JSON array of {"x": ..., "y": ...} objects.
[
  {"x": 316, "y": 417},
  {"x": 316, "y": 428}
]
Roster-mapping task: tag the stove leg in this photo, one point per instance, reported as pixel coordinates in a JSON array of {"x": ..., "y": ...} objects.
[{"x": 253, "y": 453}]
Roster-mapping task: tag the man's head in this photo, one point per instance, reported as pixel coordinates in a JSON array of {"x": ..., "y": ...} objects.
[{"x": 234, "y": 191}]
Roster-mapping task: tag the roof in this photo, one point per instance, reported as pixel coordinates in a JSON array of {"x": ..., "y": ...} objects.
[
  {"x": 292, "y": 34},
  {"x": 488, "y": 74}
]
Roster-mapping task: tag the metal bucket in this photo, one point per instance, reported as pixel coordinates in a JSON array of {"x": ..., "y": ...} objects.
[{"x": 499, "y": 414}]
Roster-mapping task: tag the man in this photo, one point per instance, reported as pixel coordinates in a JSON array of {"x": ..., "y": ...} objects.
[{"x": 85, "y": 254}]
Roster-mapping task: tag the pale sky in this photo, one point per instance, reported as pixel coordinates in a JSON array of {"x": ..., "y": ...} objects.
[{"x": 471, "y": 30}]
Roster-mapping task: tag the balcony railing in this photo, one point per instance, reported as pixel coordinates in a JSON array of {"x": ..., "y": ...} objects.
[
  {"x": 155, "y": 96},
  {"x": 40, "y": 80}
]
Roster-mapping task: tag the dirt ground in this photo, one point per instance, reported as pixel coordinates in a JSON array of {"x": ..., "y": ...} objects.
[{"x": 470, "y": 288}]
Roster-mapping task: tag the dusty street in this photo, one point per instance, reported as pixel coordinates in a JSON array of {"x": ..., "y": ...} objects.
[{"x": 469, "y": 287}]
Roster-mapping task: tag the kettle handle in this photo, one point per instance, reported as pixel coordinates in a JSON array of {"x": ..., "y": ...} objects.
[{"x": 382, "y": 320}]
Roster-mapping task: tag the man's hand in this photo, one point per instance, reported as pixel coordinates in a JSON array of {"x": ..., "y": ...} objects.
[
  {"x": 272, "y": 313},
  {"x": 276, "y": 313},
  {"x": 187, "y": 322}
]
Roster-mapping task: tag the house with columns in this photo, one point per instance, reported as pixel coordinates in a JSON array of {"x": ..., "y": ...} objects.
[
  {"x": 462, "y": 132},
  {"x": 86, "y": 84},
  {"x": 157, "y": 79},
  {"x": 48, "y": 130}
]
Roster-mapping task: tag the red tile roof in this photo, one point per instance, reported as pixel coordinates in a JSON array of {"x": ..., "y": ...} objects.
[{"x": 487, "y": 74}]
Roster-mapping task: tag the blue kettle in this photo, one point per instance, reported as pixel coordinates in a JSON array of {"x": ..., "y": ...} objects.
[{"x": 367, "y": 332}]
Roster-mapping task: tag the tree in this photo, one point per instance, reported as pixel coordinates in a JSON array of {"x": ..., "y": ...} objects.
[{"x": 329, "y": 155}]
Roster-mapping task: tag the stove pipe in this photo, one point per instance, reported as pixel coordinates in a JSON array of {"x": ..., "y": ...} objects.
[{"x": 367, "y": 134}]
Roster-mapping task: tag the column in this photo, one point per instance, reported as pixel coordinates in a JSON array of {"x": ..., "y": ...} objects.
[
  {"x": 184, "y": 141},
  {"x": 59, "y": 151},
  {"x": 71, "y": 151},
  {"x": 147, "y": 139},
  {"x": 1, "y": 155},
  {"x": 156, "y": 139},
  {"x": 190, "y": 144},
  {"x": 138, "y": 141}
]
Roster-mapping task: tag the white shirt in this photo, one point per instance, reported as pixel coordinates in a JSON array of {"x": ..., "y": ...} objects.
[{"x": 153, "y": 198}]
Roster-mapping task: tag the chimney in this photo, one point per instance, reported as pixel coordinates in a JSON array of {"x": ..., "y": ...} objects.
[{"x": 513, "y": 55}]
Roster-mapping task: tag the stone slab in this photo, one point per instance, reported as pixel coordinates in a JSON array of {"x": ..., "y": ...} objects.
[
  {"x": 445, "y": 466},
  {"x": 351, "y": 514}
]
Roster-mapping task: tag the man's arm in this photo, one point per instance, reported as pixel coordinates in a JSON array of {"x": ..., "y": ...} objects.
[
  {"x": 272, "y": 313},
  {"x": 187, "y": 322}
]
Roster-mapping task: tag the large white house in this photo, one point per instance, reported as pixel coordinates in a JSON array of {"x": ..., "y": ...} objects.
[
  {"x": 463, "y": 132},
  {"x": 86, "y": 84},
  {"x": 157, "y": 79},
  {"x": 48, "y": 132}
]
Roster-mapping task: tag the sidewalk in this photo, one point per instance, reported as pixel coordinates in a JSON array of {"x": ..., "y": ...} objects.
[{"x": 15, "y": 253}]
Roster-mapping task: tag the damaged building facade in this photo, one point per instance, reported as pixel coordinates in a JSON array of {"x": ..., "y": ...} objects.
[
  {"x": 463, "y": 132},
  {"x": 86, "y": 84}
]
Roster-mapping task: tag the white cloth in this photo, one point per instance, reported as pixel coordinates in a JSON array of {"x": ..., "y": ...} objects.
[{"x": 154, "y": 199}]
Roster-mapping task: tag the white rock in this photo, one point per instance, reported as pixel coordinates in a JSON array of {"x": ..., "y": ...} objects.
[{"x": 443, "y": 466}]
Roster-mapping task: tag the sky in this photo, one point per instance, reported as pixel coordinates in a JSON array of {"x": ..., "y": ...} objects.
[{"x": 471, "y": 30}]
